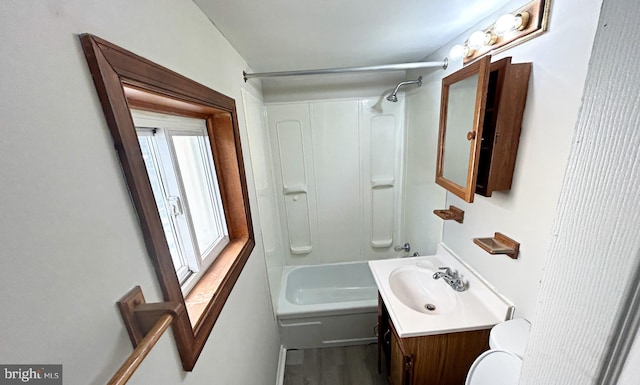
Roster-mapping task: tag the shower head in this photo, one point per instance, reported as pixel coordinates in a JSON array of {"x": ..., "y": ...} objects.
[{"x": 393, "y": 97}]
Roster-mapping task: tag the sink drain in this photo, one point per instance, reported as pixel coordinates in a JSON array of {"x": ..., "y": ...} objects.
[{"x": 430, "y": 307}]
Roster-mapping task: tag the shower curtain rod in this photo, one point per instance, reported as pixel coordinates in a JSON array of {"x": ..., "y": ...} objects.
[{"x": 385, "y": 67}]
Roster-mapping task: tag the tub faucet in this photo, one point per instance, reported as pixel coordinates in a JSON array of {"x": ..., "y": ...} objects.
[
  {"x": 452, "y": 278},
  {"x": 406, "y": 247}
]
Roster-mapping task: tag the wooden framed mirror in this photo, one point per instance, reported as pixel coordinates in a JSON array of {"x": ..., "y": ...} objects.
[{"x": 462, "y": 111}]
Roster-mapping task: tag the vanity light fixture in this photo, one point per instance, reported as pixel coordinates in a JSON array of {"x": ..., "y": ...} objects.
[{"x": 509, "y": 29}]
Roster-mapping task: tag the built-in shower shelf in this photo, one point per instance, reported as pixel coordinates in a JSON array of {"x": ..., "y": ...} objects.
[
  {"x": 451, "y": 214},
  {"x": 300, "y": 249},
  {"x": 499, "y": 244}
]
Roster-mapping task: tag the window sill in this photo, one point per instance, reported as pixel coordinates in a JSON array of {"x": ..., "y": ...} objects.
[{"x": 200, "y": 297}]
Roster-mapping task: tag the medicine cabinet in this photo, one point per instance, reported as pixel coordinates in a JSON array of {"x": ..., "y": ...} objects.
[{"x": 480, "y": 119}]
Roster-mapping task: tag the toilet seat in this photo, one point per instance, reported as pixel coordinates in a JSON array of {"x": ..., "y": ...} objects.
[{"x": 495, "y": 367}]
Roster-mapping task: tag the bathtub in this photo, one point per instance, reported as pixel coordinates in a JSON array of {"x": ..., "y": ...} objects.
[{"x": 327, "y": 305}]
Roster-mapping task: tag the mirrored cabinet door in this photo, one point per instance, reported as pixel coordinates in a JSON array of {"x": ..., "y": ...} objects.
[
  {"x": 459, "y": 121},
  {"x": 462, "y": 110}
]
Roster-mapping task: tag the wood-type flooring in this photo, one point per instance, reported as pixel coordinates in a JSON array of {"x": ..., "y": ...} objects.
[{"x": 348, "y": 365}]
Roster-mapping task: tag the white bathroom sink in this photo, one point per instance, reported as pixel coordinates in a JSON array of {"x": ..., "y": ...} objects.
[
  {"x": 407, "y": 287},
  {"x": 416, "y": 288}
]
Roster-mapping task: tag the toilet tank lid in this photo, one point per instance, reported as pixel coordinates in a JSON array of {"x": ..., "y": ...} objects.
[{"x": 511, "y": 336}]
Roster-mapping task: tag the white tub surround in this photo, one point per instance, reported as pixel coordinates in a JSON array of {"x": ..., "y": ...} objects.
[
  {"x": 337, "y": 202},
  {"x": 478, "y": 307},
  {"x": 327, "y": 305}
]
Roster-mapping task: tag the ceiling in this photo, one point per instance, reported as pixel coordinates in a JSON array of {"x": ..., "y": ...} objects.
[{"x": 278, "y": 35}]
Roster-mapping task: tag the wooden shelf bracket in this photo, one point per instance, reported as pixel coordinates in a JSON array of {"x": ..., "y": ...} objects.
[
  {"x": 499, "y": 244},
  {"x": 453, "y": 213}
]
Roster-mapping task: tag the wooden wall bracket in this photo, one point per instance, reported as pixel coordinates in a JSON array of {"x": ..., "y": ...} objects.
[
  {"x": 139, "y": 317},
  {"x": 499, "y": 244},
  {"x": 453, "y": 213}
]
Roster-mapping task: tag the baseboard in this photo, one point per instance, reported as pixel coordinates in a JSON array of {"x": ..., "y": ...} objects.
[{"x": 281, "y": 362}]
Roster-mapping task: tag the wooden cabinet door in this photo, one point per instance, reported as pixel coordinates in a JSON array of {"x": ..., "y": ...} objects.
[
  {"x": 401, "y": 362},
  {"x": 462, "y": 109}
]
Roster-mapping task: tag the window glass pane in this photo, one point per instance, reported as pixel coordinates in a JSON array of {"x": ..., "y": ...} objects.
[
  {"x": 196, "y": 174},
  {"x": 150, "y": 162}
]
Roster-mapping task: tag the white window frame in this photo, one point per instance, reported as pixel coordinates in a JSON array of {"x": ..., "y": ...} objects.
[{"x": 164, "y": 127}]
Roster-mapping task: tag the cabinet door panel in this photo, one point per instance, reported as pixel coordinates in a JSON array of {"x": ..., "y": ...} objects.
[
  {"x": 401, "y": 363},
  {"x": 462, "y": 108}
]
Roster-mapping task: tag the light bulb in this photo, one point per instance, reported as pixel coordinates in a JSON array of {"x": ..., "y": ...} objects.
[
  {"x": 477, "y": 40},
  {"x": 505, "y": 23},
  {"x": 458, "y": 51},
  {"x": 509, "y": 22}
]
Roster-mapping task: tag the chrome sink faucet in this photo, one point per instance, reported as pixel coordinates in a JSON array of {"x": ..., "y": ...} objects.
[{"x": 452, "y": 278}]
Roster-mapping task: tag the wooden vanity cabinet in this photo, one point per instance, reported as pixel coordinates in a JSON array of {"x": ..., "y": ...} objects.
[{"x": 442, "y": 359}]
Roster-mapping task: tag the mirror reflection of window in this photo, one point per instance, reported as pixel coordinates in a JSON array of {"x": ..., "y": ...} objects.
[
  {"x": 178, "y": 160},
  {"x": 461, "y": 107}
]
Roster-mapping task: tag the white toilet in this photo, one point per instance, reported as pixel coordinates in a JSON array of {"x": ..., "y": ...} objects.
[{"x": 502, "y": 363}]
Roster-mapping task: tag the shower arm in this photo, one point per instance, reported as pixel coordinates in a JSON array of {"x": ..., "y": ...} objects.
[
  {"x": 387, "y": 67},
  {"x": 393, "y": 97},
  {"x": 418, "y": 82}
]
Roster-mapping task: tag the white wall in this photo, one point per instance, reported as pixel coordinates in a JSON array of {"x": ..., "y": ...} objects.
[
  {"x": 594, "y": 255},
  {"x": 69, "y": 239},
  {"x": 526, "y": 212},
  {"x": 631, "y": 370}
]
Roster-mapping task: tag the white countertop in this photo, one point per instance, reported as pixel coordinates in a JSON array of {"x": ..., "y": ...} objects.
[{"x": 478, "y": 307}]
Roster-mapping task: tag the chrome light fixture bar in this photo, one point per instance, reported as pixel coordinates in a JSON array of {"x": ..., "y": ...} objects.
[{"x": 386, "y": 67}]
